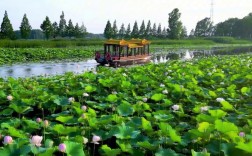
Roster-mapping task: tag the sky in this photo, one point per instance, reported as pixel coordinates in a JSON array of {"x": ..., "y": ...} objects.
[{"x": 94, "y": 14}]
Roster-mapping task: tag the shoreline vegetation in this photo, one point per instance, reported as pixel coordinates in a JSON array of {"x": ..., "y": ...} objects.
[{"x": 20, "y": 51}]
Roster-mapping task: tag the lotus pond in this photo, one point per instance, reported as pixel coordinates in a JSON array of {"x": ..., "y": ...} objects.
[{"x": 198, "y": 107}]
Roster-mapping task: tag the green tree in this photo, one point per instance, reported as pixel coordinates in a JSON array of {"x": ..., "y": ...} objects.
[
  {"x": 115, "y": 30},
  {"x": 77, "y": 32},
  {"x": 46, "y": 27},
  {"x": 164, "y": 33},
  {"x": 83, "y": 30},
  {"x": 184, "y": 32},
  {"x": 128, "y": 32},
  {"x": 122, "y": 31},
  {"x": 25, "y": 27},
  {"x": 135, "y": 31},
  {"x": 55, "y": 30},
  {"x": 108, "y": 31},
  {"x": 204, "y": 28},
  {"x": 148, "y": 30},
  {"x": 62, "y": 25},
  {"x": 70, "y": 29},
  {"x": 175, "y": 25},
  {"x": 159, "y": 31},
  {"x": 154, "y": 30},
  {"x": 6, "y": 28},
  {"x": 142, "y": 30}
]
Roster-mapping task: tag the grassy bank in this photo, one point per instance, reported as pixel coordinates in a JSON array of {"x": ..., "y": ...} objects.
[{"x": 62, "y": 43}]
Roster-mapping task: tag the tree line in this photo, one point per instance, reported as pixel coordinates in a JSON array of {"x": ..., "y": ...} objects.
[
  {"x": 49, "y": 29},
  {"x": 233, "y": 27}
]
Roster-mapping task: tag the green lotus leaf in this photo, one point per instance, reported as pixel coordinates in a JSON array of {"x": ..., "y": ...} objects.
[
  {"x": 6, "y": 112},
  {"x": 125, "y": 147},
  {"x": 112, "y": 98},
  {"x": 217, "y": 113},
  {"x": 64, "y": 119},
  {"x": 146, "y": 125},
  {"x": 212, "y": 93},
  {"x": 125, "y": 84},
  {"x": 91, "y": 112},
  {"x": 47, "y": 152},
  {"x": 147, "y": 145},
  {"x": 157, "y": 97},
  {"x": 229, "y": 149},
  {"x": 167, "y": 130},
  {"x": 225, "y": 127},
  {"x": 203, "y": 126},
  {"x": 74, "y": 149},
  {"x": 163, "y": 117},
  {"x": 166, "y": 152},
  {"x": 61, "y": 101},
  {"x": 245, "y": 90},
  {"x": 245, "y": 146},
  {"x": 90, "y": 89},
  {"x": 226, "y": 105},
  {"x": 110, "y": 152},
  {"x": 60, "y": 129},
  {"x": 126, "y": 132},
  {"x": 125, "y": 109},
  {"x": 20, "y": 109},
  {"x": 31, "y": 124},
  {"x": 199, "y": 153}
]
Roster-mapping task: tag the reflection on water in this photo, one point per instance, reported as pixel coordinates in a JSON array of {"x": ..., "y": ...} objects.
[{"x": 42, "y": 69}]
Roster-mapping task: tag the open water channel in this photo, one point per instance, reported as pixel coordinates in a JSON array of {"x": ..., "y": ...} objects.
[{"x": 55, "y": 68}]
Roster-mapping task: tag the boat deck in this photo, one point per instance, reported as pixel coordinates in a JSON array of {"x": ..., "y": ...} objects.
[{"x": 133, "y": 58}]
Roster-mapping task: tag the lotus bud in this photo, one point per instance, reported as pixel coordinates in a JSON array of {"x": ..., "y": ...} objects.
[
  {"x": 85, "y": 94},
  {"x": 84, "y": 108},
  {"x": 85, "y": 140},
  {"x": 175, "y": 107},
  {"x": 62, "y": 147},
  {"x": 242, "y": 134},
  {"x": 145, "y": 99},
  {"x": 7, "y": 140},
  {"x": 38, "y": 120},
  {"x": 95, "y": 139},
  {"x": 46, "y": 123},
  {"x": 71, "y": 100}
]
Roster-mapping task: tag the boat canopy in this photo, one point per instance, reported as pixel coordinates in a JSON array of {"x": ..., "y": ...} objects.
[{"x": 133, "y": 43}]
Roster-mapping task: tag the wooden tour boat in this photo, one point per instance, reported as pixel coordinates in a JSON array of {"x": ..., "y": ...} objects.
[{"x": 121, "y": 52}]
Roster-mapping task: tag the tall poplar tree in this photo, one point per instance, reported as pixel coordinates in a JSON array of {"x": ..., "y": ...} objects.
[
  {"x": 122, "y": 32},
  {"x": 83, "y": 30},
  {"x": 6, "y": 28},
  {"x": 70, "y": 29},
  {"x": 108, "y": 31},
  {"x": 159, "y": 31},
  {"x": 55, "y": 30},
  {"x": 148, "y": 30},
  {"x": 115, "y": 30},
  {"x": 46, "y": 27},
  {"x": 25, "y": 27},
  {"x": 135, "y": 31},
  {"x": 142, "y": 30},
  {"x": 62, "y": 25},
  {"x": 154, "y": 30},
  {"x": 128, "y": 32}
]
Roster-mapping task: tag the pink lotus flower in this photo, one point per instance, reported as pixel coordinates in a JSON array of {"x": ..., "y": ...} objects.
[
  {"x": 62, "y": 147},
  {"x": 36, "y": 140},
  {"x": 38, "y": 120},
  {"x": 7, "y": 140},
  {"x": 9, "y": 98},
  {"x": 95, "y": 139}
]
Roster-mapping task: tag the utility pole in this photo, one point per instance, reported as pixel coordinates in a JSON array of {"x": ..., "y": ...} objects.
[{"x": 212, "y": 10}]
